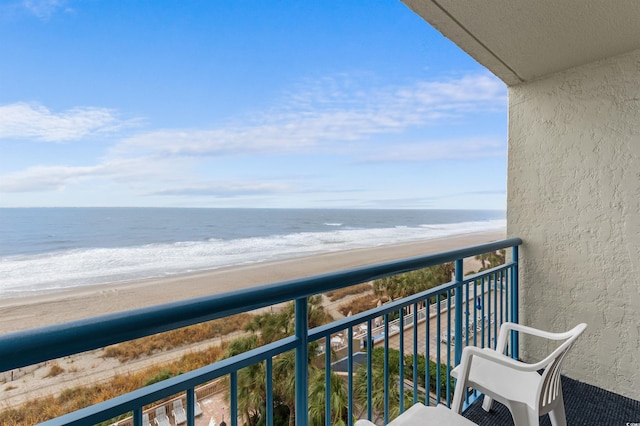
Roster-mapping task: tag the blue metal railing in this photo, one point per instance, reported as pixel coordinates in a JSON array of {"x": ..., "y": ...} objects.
[{"x": 493, "y": 288}]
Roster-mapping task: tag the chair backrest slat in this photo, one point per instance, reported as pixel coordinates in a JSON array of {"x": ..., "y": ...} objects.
[{"x": 550, "y": 384}]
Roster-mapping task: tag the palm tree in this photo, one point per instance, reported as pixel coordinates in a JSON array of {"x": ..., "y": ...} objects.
[
  {"x": 393, "y": 371},
  {"x": 497, "y": 258},
  {"x": 402, "y": 285},
  {"x": 284, "y": 381},
  {"x": 317, "y": 400},
  {"x": 483, "y": 258},
  {"x": 251, "y": 389},
  {"x": 266, "y": 328},
  {"x": 491, "y": 259},
  {"x": 377, "y": 385},
  {"x": 272, "y": 326}
]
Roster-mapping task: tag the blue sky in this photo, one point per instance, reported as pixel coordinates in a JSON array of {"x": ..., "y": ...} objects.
[{"x": 237, "y": 103}]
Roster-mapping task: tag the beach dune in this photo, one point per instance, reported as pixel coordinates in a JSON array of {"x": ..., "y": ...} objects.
[{"x": 66, "y": 305}]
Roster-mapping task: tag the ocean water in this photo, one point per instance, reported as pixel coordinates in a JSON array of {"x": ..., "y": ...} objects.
[{"x": 45, "y": 249}]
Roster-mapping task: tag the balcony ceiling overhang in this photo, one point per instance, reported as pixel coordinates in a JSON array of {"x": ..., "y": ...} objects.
[{"x": 523, "y": 40}]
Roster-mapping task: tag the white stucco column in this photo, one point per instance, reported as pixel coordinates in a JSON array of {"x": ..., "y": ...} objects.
[{"x": 574, "y": 198}]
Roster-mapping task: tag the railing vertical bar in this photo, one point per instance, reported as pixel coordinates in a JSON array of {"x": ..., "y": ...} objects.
[
  {"x": 386, "y": 368},
  {"x": 401, "y": 358},
  {"x": 502, "y": 300},
  {"x": 369, "y": 372},
  {"x": 349, "y": 377},
  {"x": 507, "y": 295},
  {"x": 438, "y": 350},
  {"x": 459, "y": 274},
  {"x": 415, "y": 353},
  {"x": 191, "y": 407},
  {"x": 269, "y": 402},
  {"x": 448, "y": 368},
  {"x": 301, "y": 356},
  {"x": 474, "y": 320},
  {"x": 482, "y": 311},
  {"x": 495, "y": 312},
  {"x": 466, "y": 337},
  {"x": 514, "y": 303},
  {"x": 488, "y": 310},
  {"x": 137, "y": 416},
  {"x": 233, "y": 415},
  {"x": 327, "y": 380},
  {"x": 427, "y": 351},
  {"x": 466, "y": 314}
]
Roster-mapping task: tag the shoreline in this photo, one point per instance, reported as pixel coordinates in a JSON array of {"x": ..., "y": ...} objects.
[{"x": 20, "y": 313}]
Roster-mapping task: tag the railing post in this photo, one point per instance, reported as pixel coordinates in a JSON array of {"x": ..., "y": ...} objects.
[
  {"x": 514, "y": 303},
  {"x": 137, "y": 417},
  {"x": 302, "y": 361},
  {"x": 191, "y": 406},
  {"x": 269, "y": 390},
  {"x": 233, "y": 397},
  {"x": 386, "y": 368},
  {"x": 458, "y": 312}
]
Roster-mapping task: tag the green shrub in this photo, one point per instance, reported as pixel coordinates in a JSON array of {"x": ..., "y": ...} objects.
[
  {"x": 160, "y": 376},
  {"x": 377, "y": 360}
]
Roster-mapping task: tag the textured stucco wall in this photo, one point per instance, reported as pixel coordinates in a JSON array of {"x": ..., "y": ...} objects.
[{"x": 574, "y": 198}]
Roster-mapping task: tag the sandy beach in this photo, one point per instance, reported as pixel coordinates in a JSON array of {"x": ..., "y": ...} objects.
[
  {"x": 91, "y": 367},
  {"x": 40, "y": 310}
]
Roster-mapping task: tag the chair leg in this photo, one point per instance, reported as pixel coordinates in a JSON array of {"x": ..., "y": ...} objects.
[
  {"x": 558, "y": 416},
  {"x": 487, "y": 403},
  {"x": 523, "y": 415}
]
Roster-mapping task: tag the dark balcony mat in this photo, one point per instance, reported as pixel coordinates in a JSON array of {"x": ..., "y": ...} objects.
[{"x": 585, "y": 405}]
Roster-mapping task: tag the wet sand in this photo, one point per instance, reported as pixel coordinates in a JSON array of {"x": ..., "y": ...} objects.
[{"x": 66, "y": 305}]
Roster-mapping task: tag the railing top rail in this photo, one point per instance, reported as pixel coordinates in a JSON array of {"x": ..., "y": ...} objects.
[{"x": 29, "y": 347}]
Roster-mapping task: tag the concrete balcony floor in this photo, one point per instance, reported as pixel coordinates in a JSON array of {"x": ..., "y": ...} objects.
[{"x": 584, "y": 405}]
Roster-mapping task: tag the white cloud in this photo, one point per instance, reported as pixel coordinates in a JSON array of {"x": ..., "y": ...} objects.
[
  {"x": 328, "y": 113},
  {"x": 44, "y": 9},
  {"x": 464, "y": 149},
  {"x": 464, "y": 94},
  {"x": 32, "y": 120},
  {"x": 227, "y": 189},
  {"x": 133, "y": 172},
  {"x": 331, "y": 116},
  {"x": 45, "y": 178}
]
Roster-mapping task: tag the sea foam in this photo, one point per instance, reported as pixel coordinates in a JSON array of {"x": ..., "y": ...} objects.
[{"x": 31, "y": 274}]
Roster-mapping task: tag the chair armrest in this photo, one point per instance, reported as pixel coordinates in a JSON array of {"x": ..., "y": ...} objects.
[
  {"x": 489, "y": 354},
  {"x": 540, "y": 333},
  {"x": 509, "y": 326}
]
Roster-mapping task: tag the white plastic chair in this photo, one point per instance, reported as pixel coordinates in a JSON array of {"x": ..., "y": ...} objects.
[
  {"x": 418, "y": 414},
  {"x": 197, "y": 410},
  {"x": 161, "y": 417},
  {"x": 179, "y": 413},
  {"x": 518, "y": 385}
]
